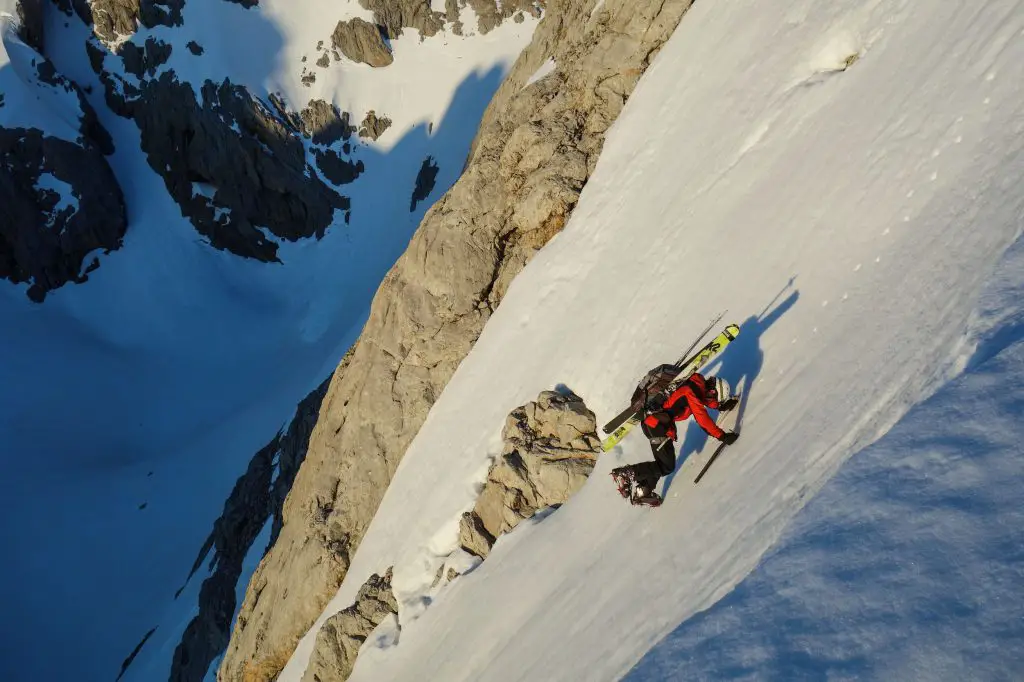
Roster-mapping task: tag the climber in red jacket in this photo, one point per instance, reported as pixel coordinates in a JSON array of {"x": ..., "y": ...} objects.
[{"x": 693, "y": 397}]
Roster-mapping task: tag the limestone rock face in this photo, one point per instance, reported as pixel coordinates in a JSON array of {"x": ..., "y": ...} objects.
[
  {"x": 536, "y": 147},
  {"x": 338, "y": 641},
  {"x": 551, "y": 447},
  {"x": 361, "y": 41}
]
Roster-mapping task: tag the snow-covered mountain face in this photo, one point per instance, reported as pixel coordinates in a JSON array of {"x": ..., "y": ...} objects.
[
  {"x": 198, "y": 200},
  {"x": 844, "y": 178}
]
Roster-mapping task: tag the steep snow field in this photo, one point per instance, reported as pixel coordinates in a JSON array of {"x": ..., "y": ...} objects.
[
  {"x": 131, "y": 403},
  {"x": 908, "y": 564},
  {"x": 842, "y": 177}
]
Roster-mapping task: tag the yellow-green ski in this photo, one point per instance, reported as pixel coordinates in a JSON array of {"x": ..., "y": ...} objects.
[{"x": 693, "y": 364}]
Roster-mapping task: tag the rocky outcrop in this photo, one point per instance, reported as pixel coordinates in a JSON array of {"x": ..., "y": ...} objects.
[
  {"x": 238, "y": 171},
  {"x": 324, "y": 124},
  {"x": 59, "y": 206},
  {"x": 373, "y": 126},
  {"x": 362, "y": 42},
  {"x": 115, "y": 20},
  {"x": 338, "y": 641},
  {"x": 394, "y": 15},
  {"x": 536, "y": 147},
  {"x": 491, "y": 14},
  {"x": 551, "y": 446},
  {"x": 256, "y": 499}
]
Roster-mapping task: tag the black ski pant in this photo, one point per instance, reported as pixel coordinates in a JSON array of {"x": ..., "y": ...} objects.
[{"x": 664, "y": 450}]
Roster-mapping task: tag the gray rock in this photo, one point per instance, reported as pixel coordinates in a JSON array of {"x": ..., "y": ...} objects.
[
  {"x": 339, "y": 640},
  {"x": 530, "y": 160},
  {"x": 373, "y": 126},
  {"x": 114, "y": 19},
  {"x": 491, "y": 13},
  {"x": 551, "y": 447},
  {"x": 48, "y": 238},
  {"x": 474, "y": 536},
  {"x": 324, "y": 61},
  {"x": 362, "y": 42},
  {"x": 322, "y": 122},
  {"x": 425, "y": 181},
  {"x": 394, "y": 15}
]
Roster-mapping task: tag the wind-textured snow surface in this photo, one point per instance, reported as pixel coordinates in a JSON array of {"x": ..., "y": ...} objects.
[
  {"x": 842, "y": 177},
  {"x": 132, "y": 403}
]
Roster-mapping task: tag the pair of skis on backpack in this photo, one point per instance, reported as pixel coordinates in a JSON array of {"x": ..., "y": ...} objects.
[{"x": 623, "y": 423}]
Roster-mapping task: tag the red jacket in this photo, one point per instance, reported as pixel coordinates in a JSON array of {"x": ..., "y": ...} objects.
[{"x": 689, "y": 399}]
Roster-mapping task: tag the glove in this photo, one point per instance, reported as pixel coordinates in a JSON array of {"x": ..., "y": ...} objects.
[{"x": 729, "y": 437}]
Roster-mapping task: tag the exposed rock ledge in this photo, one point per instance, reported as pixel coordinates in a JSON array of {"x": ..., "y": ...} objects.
[
  {"x": 536, "y": 148},
  {"x": 339, "y": 640},
  {"x": 551, "y": 447}
]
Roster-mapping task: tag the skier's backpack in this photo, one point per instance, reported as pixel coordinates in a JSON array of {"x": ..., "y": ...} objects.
[{"x": 654, "y": 385}]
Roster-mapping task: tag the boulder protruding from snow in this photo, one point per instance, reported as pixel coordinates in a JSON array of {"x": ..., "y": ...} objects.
[
  {"x": 361, "y": 41},
  {"x": 339, "y": 640},
  {"x": 373, "y": 126},
  {"x": 551, "y": 447},
  {"x": 324, "y": 123}
]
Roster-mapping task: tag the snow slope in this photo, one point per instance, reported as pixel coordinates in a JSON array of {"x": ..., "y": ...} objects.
[
  {"x": 843, "y": 178},
  {"x": 907, "y": 565},
  {"x": 130, "y": 404}
]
